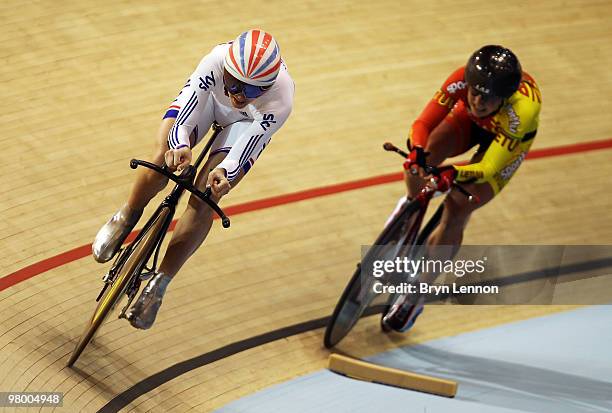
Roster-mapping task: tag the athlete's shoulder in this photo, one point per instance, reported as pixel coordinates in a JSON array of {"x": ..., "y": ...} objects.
[
  {"x": 520, "y": 115},
  {"x": 279, "y": 99},
  {"x": 528, "y": 91},
  {"x": 455, "y": 84},
  {"x": 216, "y": 55},
  {"x": 221, "y": 49},
  {"x": 453, "y": 89},
  {"x": 209, "y": 71},
  {"x": 285, "y": 83}
]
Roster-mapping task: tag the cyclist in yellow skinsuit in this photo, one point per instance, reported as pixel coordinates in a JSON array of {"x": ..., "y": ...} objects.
[
  {"x": 491, "y": 102},
  {"x": 515, "y": 125}
]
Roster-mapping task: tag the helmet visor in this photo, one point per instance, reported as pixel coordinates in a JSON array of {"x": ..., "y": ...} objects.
[{"x": 236, "y": 87}]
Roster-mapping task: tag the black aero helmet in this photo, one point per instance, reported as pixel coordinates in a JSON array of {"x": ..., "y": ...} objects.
[{"x": 494, "y": 70}]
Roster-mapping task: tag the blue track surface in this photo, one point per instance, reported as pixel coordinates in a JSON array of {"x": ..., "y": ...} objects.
[{"x": 557, "y": 363}]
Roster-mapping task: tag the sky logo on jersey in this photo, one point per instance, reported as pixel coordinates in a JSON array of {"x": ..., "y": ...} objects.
[
  {"x": 207, "y": 82},
  {"x": 268, "y": 120}
]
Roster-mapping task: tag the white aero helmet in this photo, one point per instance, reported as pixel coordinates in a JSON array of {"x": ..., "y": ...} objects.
[{"x": 254, "y": 58}]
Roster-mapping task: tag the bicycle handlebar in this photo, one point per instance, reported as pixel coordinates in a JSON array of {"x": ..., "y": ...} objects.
[
  {"x": 430, "y": 170},
  {"x": 185, "y": 181},
  {"x": 388, "y": 146}
]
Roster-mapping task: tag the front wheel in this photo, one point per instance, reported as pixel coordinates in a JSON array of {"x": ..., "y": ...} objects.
[
  {"x": 395, "y": 299},
  {"x": 137, "y": 255},
  {"x": 399, "y": 235}
]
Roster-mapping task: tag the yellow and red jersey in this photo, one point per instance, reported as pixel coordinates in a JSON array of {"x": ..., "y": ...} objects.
[{"x": 514, "y": 126}]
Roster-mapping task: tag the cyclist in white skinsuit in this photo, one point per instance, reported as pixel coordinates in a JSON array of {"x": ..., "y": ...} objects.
[
  {"x": 245, "y": 87},
  {"x": 204, "y": 100}
]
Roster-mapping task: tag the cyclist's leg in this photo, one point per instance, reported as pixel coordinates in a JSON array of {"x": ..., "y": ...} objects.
[
  {"x": 457, "y": 211},
  {"x": 461, "y": 135},
  {"x": 147, "y": 184},
  {"x": 191, "y": 230},
  {"x": 195, "y": 223},
  {"x": 457, "y": 208},
  {"x": 456, "y": 214},
  {"x": 450, "y": 138}
]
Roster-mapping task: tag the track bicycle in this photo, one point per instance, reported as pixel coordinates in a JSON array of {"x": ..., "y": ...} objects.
[
  {"x": 137, "y": 262},
  {"x": 402, "y": 237}
]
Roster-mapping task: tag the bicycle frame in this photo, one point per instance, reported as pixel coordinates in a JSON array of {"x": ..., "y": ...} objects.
[
  {"x": 405, "y": 231},
  {"x": 126, "y": 274},
  {"x": 183, "y": 182}
]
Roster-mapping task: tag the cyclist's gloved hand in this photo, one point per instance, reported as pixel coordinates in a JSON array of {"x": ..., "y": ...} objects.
[
  {"x": 446, "y": 177},
  {"x": 218, "y": 182},
  {"x": 416, "y": 160},
  {"x": 179, "y": 158}
]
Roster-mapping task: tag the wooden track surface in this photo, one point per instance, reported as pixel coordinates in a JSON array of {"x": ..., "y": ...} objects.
[{"x": 85, "y": 85}]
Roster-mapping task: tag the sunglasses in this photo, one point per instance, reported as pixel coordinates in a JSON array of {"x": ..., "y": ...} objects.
[{"x": 236, "y": 87}]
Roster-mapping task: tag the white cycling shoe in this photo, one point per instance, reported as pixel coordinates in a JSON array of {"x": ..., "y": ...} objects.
[
  {"x": 143, "y": 312},
  {"x": 111, "y": 236}
]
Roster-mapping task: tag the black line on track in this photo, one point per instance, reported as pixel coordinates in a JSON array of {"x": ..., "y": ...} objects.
[{"x": 124, "y": 398}]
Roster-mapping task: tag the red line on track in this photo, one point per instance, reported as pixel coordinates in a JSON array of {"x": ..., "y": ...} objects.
[{"x": 85, "y": 250}]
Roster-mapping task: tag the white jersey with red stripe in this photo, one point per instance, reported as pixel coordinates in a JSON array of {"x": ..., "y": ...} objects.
[{"x": 203, "y": 100}]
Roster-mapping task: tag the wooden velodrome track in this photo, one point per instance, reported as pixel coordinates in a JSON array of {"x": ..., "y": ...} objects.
[{"x": 84, "y": 86}]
